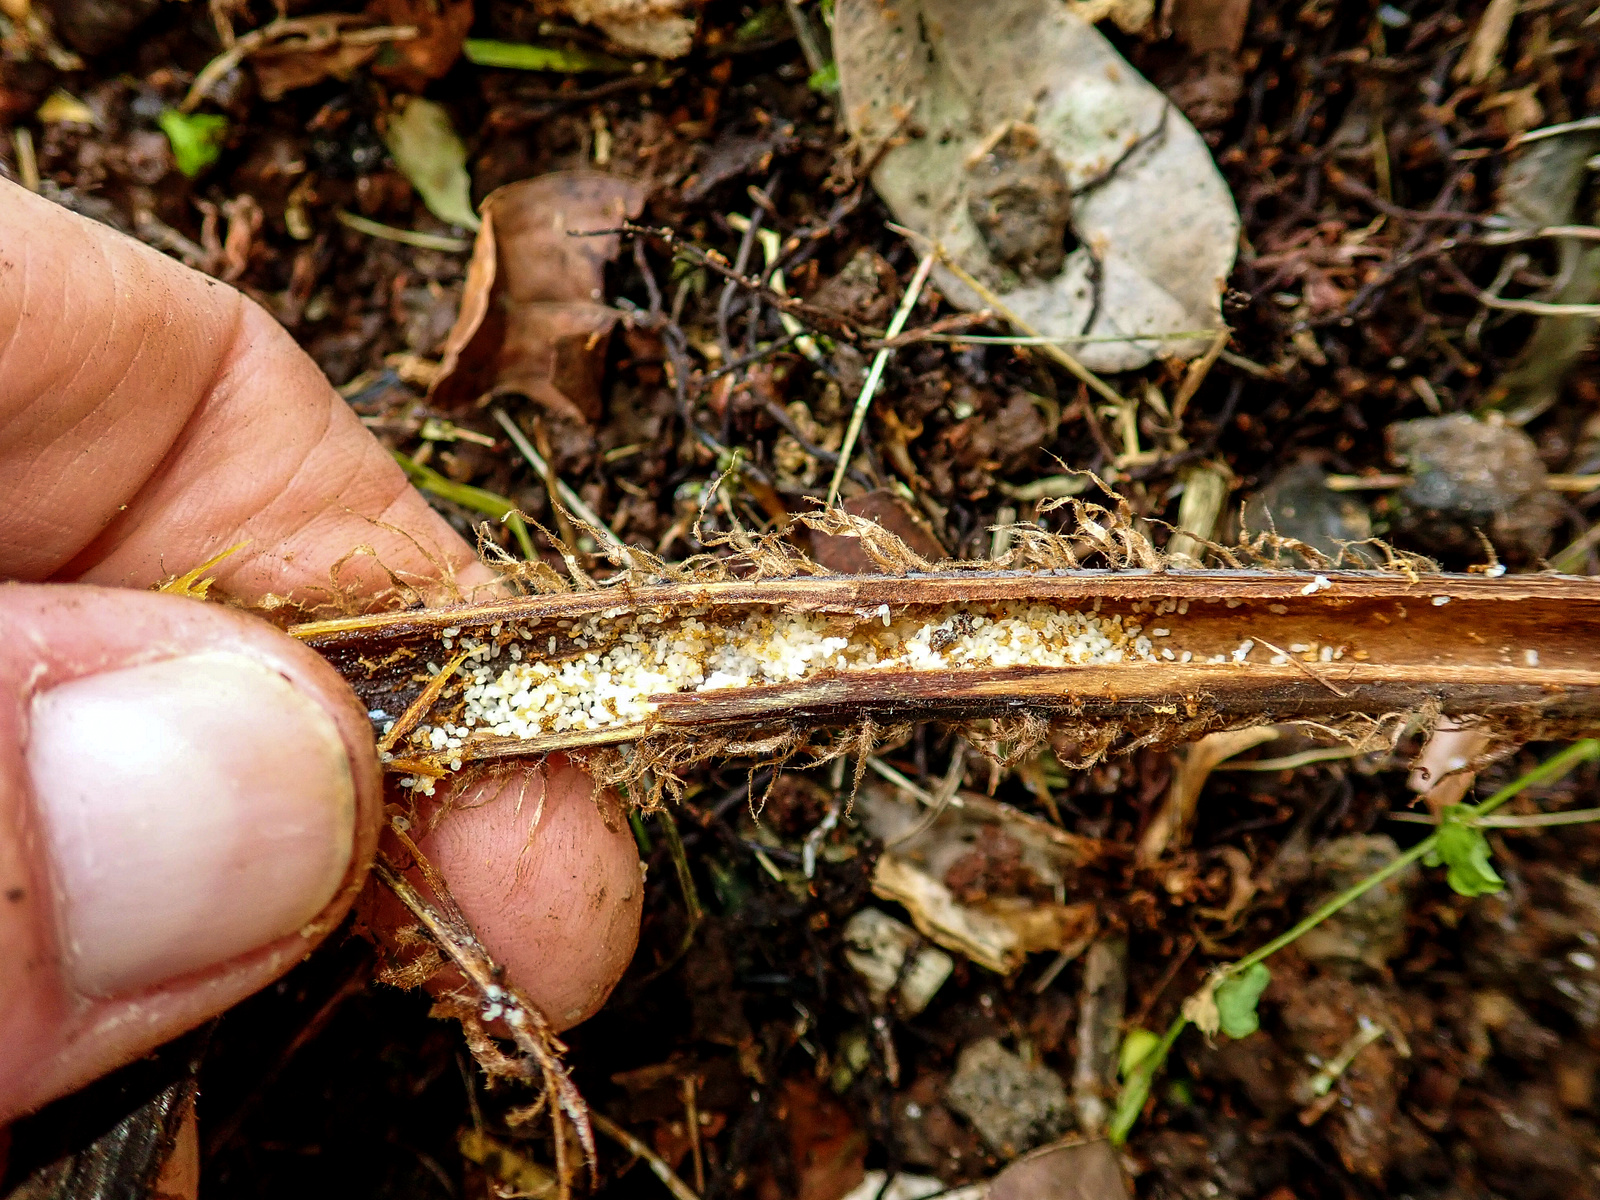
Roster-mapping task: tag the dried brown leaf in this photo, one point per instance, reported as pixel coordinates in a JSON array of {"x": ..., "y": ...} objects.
[
  {"x": 287, "y": 68},
  {"x": 441, "y": 26},
  {"x": 531, "y": 320}
]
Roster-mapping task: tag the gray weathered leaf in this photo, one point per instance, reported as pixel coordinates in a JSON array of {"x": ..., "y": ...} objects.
[
  {"x": 1046, "y": 165},
  {"x": 425, "y": 147}
]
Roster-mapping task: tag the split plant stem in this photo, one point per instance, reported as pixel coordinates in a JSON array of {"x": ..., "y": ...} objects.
[
  {"x": 1101, "y": 658},
  {"x": 1136, "y": 1088}
]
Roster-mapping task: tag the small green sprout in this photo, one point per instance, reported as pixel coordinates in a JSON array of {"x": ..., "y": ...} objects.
[{"x": 196, "y": 138}]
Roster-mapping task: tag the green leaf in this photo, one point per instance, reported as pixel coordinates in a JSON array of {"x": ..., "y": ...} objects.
[
  {"x": 425, "y": 147},
  {"x": 1136, "y": 1047},
  {"x": 196, "y": 138},
  {"x": 1180, "y": 1092},
  {"x": 1462, "y": 848},
  {"x": 1236, "y": 1000},
  {"x": 531, "y": 56},
  {"x": 826, "y": 80}
]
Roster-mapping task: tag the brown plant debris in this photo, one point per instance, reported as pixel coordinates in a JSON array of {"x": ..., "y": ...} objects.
[
  {"x": 686, "y": 669},
  {"x": 493, "y": 1014},
  {"x": 531, "y": 321}
]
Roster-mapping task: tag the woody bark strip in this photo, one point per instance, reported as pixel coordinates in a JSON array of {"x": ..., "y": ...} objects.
[{"x": 1221, "y": 649}]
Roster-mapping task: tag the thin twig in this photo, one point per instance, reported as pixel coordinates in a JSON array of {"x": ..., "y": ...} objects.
[
  {"x": 741, "y": 263},
  {"x": 940, "y": 800},
  {"x": 940, "y": 331},
  {"x": 406, "y": 237},
  {"x": 1197, "y": 372},
  {"x": 1291, "y": 762},
  {"x": 900, "y": 781},
  {"x": 573, "y": 502},
  {"x": 1293, "y": 661},
  {"x": 992, "y": 300},
  {"x": 496, "y": 1003},
  {"x": 320, "y": 31},
  {"x": 875, "y": 373},
  {"x": 1582, "y": 125},
  {"x": 1577, "y": 484},
  {"x": 691, "y": 1117},
  {"x": 1248, "y": 366},
  {"x": 1581, "y": 233},
  {"x": 1538, "y": 308},
  {"x": 932, "y": 334},
  {"x": 1356, "y": 190},
  {"x": 746, "y": 360},
  {"x": 656, "y": 1163},
  {"x": 418, "y": 708},
  {"x": 1572, "y": 816},
  {"x": 830, "y": 322},
  {"x": 816, "y": 54}
]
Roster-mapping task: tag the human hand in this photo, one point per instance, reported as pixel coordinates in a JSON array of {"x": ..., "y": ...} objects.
[{"x": 189, "y": 799}]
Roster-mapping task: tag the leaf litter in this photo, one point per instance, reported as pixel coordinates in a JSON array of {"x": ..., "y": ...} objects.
[{"x": 1370, "y": 291}]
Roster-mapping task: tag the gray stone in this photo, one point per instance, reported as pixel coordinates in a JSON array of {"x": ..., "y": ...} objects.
[
  {"x": 1370, "y": 930},
  {"x": 1472, "y": 479},
  {"x": 1296, "y": 503},
  {"x": 1014, "y": 1105}
]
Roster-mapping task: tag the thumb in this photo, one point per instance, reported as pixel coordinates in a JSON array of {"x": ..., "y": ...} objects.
[{"x": 188, "y": 801}]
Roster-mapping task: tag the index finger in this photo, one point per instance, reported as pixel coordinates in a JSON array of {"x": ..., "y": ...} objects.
[{"x": 152, "y": 417}]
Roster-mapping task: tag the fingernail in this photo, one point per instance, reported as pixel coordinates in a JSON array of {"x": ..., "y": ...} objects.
[{"x": 194, "y": 809}]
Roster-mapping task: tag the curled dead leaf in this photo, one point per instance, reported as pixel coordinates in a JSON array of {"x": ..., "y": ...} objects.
[
  {"x": 924, "y": 857},
  {"x": 1067, "y": 1170},
  {"x": 532, "y": 321}
]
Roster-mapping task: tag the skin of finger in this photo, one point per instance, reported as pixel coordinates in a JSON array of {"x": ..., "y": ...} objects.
[
  {"x": 176, "y": 420},
  {"x": 56, "y": 1041},
  {"x": 153, "y": 417},
  {"x": 547, "y": 872}
]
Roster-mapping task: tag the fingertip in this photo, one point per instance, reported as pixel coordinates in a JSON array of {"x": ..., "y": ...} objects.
[{"x": 547, "y": 872}]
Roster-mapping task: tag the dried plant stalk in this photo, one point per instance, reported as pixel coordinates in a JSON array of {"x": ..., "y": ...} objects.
[
  {"x": 1353, "y": 650},
  {"x": 492, "y": 1011}
]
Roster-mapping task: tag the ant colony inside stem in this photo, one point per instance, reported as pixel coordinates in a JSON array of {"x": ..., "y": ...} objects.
[{"x": 602, "y": 672}]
